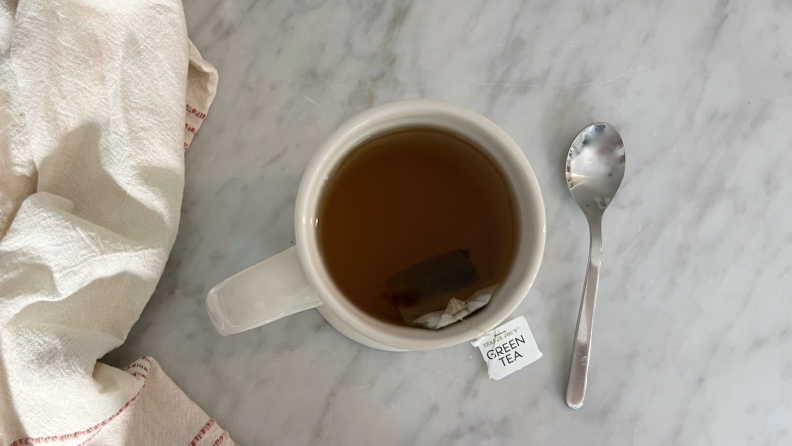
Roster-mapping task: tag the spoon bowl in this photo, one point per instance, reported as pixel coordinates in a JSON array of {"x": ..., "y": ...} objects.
[
  {"x": 594, "y": 172},
  {"x": 595, "y": 167}
]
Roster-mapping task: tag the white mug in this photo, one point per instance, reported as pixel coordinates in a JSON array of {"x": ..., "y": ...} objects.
[{"x": 296, "y": 279}]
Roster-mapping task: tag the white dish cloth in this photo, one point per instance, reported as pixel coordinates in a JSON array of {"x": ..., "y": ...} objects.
[{"x": 93, "y": 129}]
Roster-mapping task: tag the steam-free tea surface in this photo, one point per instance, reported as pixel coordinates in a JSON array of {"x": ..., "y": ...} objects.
[{"x": 405, "y": 197}]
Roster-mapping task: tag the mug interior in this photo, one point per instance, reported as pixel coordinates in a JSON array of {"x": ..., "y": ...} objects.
[{"x": 466, "y": 125}]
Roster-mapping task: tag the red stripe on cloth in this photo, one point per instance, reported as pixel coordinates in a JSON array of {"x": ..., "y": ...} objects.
[
  {"x": 89, "y": 438},
  {"x": 93, "y": 429},
  {"x": 203, "y": 431},
  {"x": 220, "y": 439},
  {"x": 196, "y": 112},
  {"x": 135, "y": 364},
  {"x": 74, "y": 435}
]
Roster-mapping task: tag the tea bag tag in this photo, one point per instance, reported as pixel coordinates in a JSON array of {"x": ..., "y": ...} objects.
[{"x": 508, "y": 348}]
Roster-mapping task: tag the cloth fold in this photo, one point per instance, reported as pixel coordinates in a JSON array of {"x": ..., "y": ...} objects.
[{"x": 93, "y": 129}]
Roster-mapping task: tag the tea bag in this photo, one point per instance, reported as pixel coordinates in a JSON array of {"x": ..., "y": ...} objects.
[{"x": 439, "y": 291}]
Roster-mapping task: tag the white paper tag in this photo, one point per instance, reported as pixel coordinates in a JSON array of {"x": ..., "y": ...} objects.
[{"x": 510, "y": 348}]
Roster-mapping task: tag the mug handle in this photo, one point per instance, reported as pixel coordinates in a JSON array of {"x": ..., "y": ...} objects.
[{"x": 263, "y": 293}]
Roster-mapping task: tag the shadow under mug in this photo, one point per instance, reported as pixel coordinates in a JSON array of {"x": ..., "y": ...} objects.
[{"x": 296, "y": 279}]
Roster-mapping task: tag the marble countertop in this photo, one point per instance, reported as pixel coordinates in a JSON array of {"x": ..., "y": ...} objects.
[{"x": 692, "y": 343}]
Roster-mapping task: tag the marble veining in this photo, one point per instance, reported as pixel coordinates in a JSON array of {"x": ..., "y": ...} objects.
[{"x": 692, "y": 343}]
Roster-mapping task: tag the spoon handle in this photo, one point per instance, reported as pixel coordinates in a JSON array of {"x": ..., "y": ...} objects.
[{"x": 581, "y": 347}]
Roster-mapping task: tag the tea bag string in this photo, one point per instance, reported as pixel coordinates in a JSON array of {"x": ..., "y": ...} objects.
[{"x": 482, "y": 331}]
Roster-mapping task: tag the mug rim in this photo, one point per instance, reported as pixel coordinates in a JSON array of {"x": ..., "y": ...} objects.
[{"x": 465, "y": 123}]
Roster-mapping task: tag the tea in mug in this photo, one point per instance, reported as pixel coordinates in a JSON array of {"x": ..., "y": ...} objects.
[{"x": 414, "y": 214}]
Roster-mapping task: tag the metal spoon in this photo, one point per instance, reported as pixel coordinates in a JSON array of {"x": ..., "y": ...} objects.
[{"x": 594, "y": 171}]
